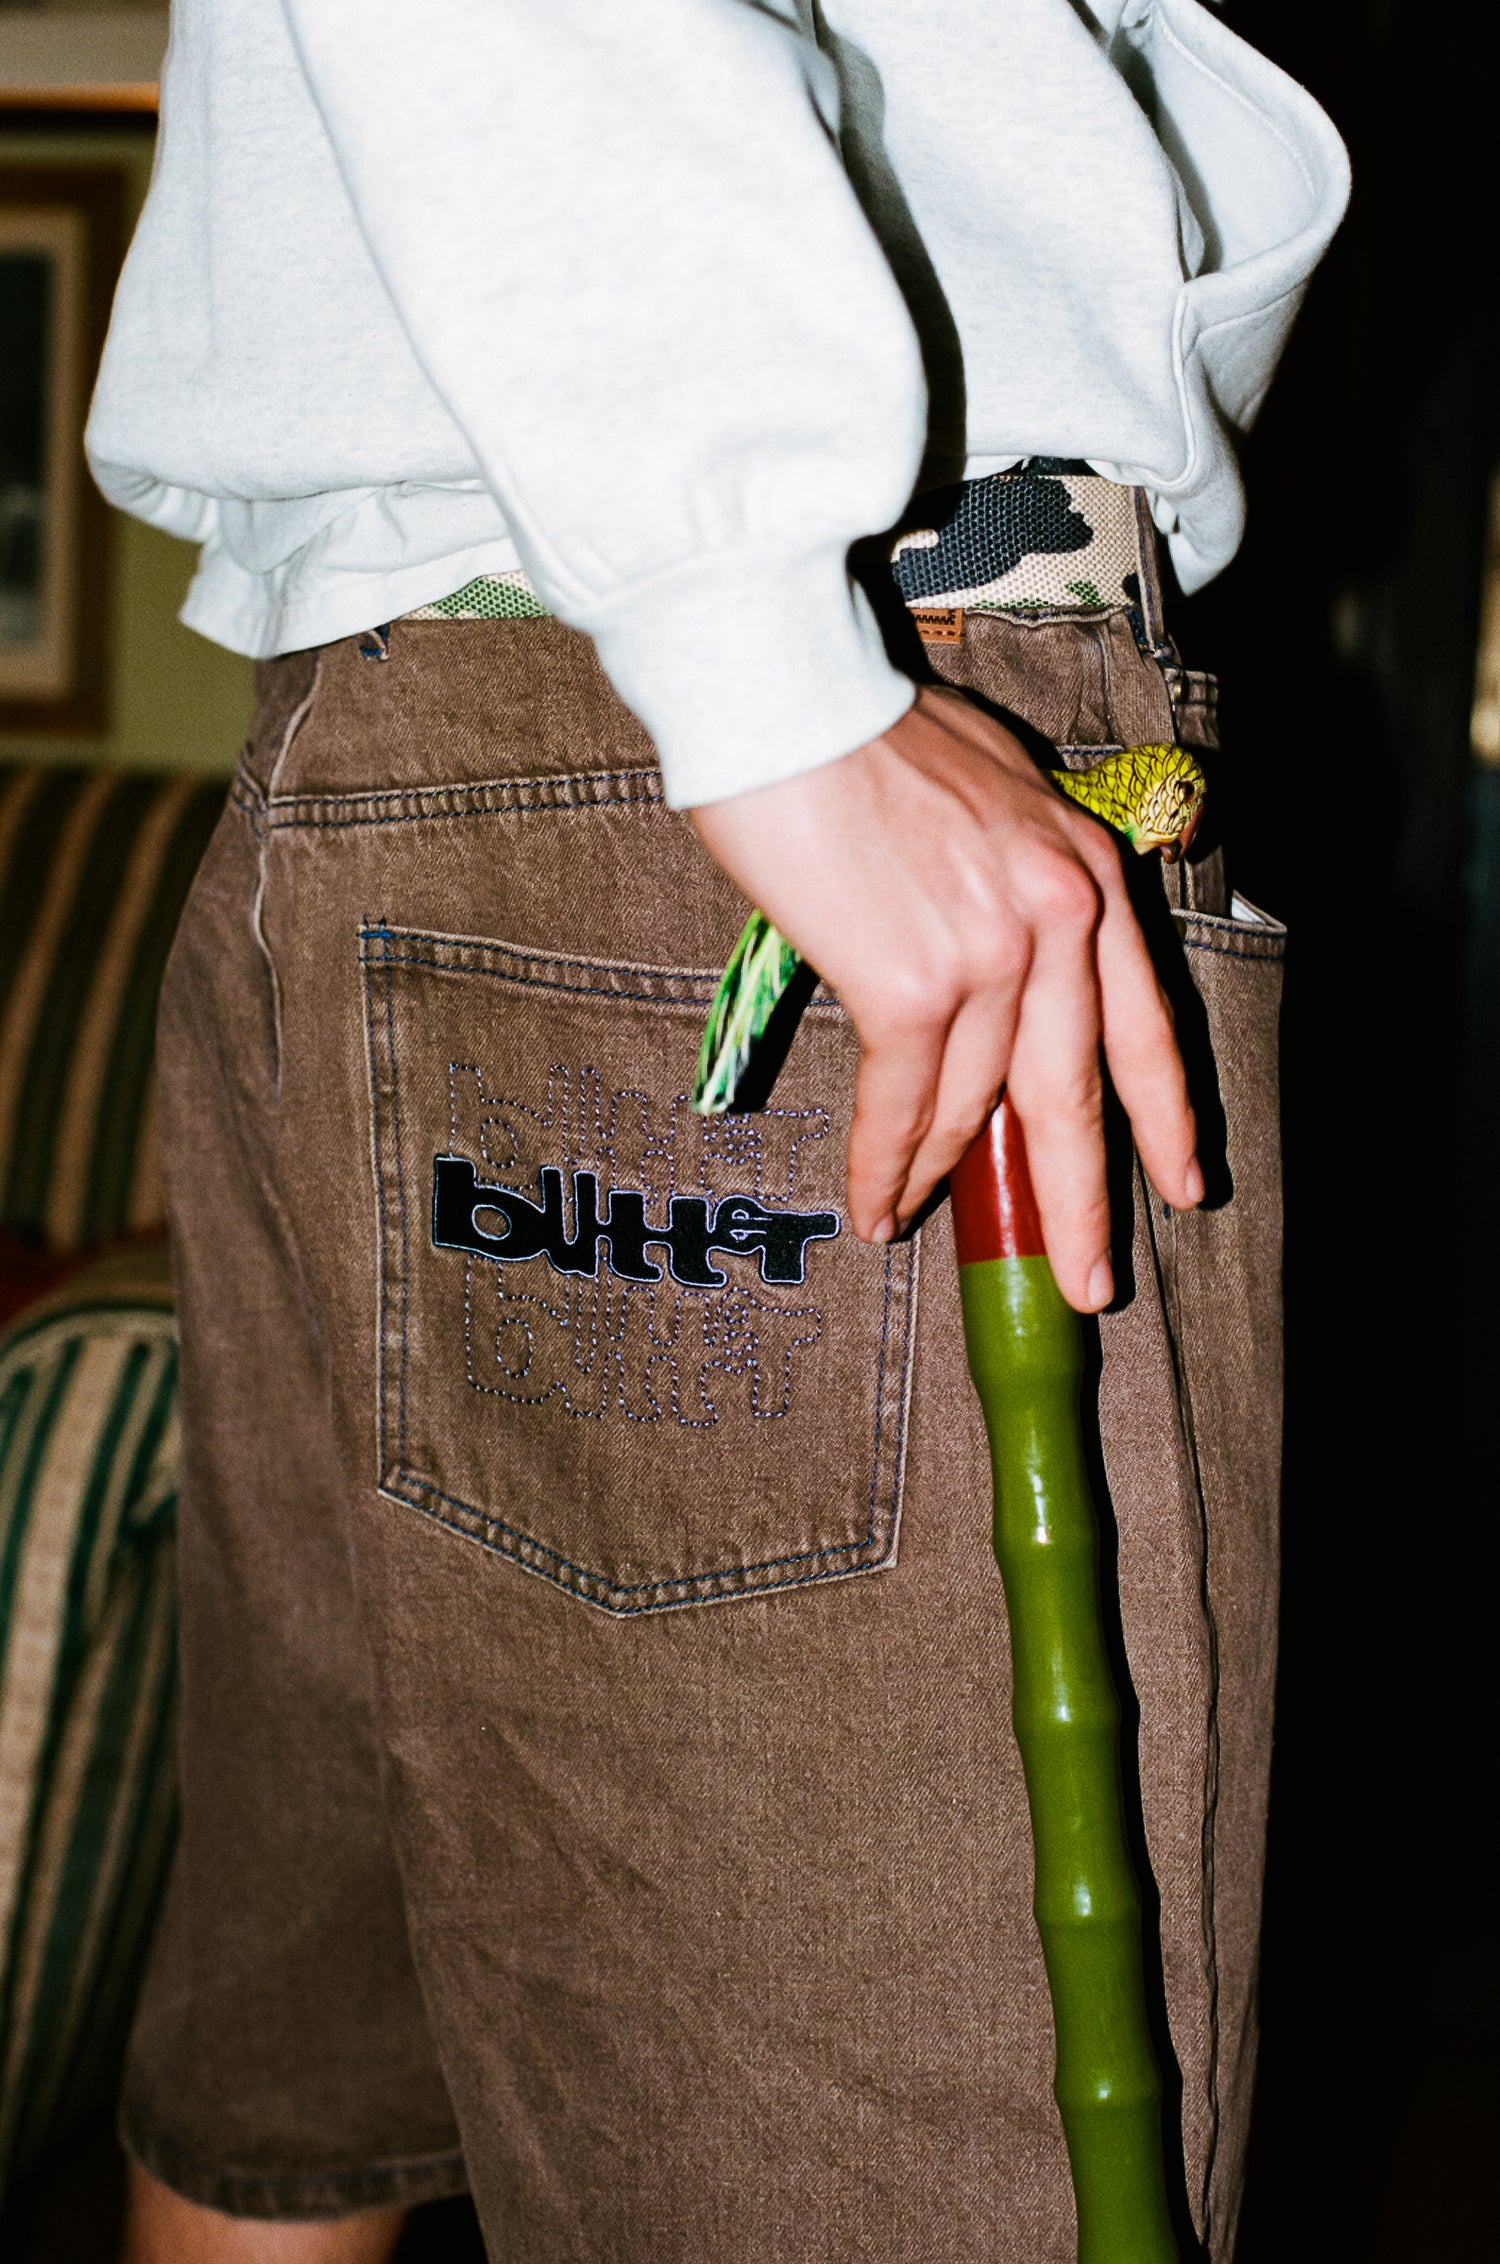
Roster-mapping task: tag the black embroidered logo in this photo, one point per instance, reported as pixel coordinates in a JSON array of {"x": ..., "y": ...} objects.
[
  {"x": 672, "y": 1289},
  {"x": 737, "y": 1226}
]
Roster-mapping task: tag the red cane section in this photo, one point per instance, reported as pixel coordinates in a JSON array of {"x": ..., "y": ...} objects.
[{"x": 994, "y": 1209}]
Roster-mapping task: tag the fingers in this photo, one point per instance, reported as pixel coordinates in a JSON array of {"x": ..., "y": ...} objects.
[
  {"x": 1077, "y": 971},
  {"x": 933, "y": 1061},
  {"x": 975, "y": 1060},
  {"x": 1057, "y": 1086},
  {"x": 894, "y": 1098},
  {"x": 976, "y": 925},
  {"x": 1140, "y": 1045}
]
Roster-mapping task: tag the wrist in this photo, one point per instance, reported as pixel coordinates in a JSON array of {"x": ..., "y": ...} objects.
[{"x": 751, "y": 669}]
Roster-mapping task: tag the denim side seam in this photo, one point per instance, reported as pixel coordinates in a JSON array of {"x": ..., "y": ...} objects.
[
  {"x": 293, "y": 725},
  {"x": 1162, "y": 1237}
]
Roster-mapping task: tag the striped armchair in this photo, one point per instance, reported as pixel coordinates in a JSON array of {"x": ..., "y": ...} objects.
[{"x": 94, "y": 867}]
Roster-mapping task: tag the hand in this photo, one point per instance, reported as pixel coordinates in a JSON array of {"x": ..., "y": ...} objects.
[{"x": 976, "y": 926}]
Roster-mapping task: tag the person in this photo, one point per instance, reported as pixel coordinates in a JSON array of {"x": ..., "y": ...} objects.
[{"x": 664, "y": 457}]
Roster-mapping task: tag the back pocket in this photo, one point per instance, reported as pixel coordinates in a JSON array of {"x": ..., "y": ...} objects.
[{"x": 635, "y": 1350}]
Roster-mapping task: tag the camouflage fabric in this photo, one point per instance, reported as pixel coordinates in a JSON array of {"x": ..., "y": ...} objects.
[
  {"x": 489, "y": 597},
  {"x": 1050, "y": 537}
]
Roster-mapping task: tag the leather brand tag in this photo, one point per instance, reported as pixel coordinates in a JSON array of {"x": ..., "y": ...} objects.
[{"x": 939, "y": 624}]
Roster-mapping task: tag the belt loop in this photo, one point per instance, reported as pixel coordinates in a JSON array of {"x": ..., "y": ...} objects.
[
  {"x": 1156, "y": 639},
  {"x": 1153, "y": 620}
]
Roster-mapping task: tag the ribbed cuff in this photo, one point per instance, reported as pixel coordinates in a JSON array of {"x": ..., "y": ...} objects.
[{"x": 751, "y": 669}]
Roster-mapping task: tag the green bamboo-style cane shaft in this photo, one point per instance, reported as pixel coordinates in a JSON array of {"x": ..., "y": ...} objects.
[{"x": 1025, "y": 1353}]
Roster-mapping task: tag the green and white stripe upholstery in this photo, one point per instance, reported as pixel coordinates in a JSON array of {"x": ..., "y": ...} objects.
[
  {"x": 94, "y": 867},
  {"x": 88, "y": 1488}
]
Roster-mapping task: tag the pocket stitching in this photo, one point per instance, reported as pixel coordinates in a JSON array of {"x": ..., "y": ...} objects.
[
  {"x": 1249, "y": 947},
  {"x": 866, "y": 1541},
  {"x": 725, "y": 1584},
  {"x": 556, "y": 793}
]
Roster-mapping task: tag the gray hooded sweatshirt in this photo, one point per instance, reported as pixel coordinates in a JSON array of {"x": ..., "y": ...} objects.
[{"x": 670, "y": 301}]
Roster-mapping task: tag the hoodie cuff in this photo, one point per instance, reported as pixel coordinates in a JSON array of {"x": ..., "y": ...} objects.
[{"x": 749, "y": 670}]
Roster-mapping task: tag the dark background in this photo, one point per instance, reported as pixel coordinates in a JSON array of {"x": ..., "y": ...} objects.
[{"x": 1344, "y": 636}]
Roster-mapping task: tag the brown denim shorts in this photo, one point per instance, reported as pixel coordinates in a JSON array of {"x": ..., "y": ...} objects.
[{"x": 598, "y": 1782}]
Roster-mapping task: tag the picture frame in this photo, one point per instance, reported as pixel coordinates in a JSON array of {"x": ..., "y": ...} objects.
[
  {"x": 61, "y": 61},
  {"x": 60, "y": 251}
]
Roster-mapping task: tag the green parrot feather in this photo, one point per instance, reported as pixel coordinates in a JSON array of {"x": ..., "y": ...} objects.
[{"x": 761, "y": 966}]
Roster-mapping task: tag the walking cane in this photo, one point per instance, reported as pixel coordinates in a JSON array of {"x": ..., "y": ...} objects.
[{"x": 1025, "y": 1354}]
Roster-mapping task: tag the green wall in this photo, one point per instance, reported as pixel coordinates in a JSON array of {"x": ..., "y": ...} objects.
[{"x": 176, "y": 702}]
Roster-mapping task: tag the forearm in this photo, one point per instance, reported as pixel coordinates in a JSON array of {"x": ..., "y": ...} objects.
[{"x": 625, "y": 248}]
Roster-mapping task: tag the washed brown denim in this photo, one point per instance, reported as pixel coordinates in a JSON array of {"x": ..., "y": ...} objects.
[{"x": 598, "y": 1781}]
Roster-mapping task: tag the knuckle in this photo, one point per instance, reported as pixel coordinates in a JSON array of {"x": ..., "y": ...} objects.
[
  {"x": 1105, "y": 860},
  {"x": 888, "y": 1124},
  {"x": 1060, "y": 1093},
  {"x": 958, "y": 1121},
  {"x": 956, "y": 1140},
  {"x": 911, "y": 1004},
  {"x": 998, "y": 945},
  {"x": 1062, "y": 893},
  {"x": 918, "y": 992}
]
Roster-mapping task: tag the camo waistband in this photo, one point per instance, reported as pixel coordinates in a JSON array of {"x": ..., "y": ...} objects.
[{"x": 1048, "y": 538}]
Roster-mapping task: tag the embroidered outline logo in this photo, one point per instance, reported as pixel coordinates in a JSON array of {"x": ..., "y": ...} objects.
[{"x": 739, "y": 1226}]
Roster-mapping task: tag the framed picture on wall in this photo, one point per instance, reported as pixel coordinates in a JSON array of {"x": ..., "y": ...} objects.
[{"x": 60, "y": 250}]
